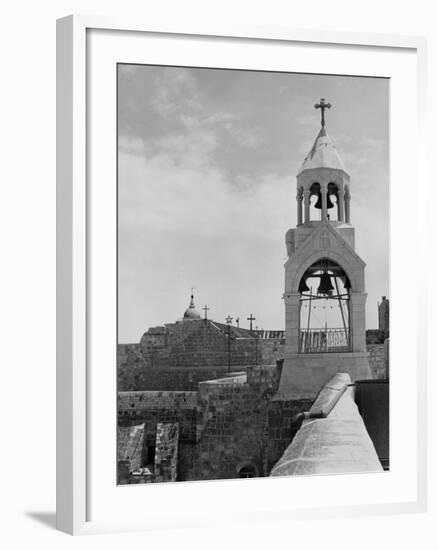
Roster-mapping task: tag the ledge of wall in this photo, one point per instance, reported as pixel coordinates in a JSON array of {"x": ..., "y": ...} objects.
[{"x": 337, "y": 444}]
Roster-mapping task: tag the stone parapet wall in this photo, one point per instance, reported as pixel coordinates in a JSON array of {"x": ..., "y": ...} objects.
[
  {"x": 336, "y": 444},
  {"x": 146, "y": 400},
  {"x": 166, "y": 378}
]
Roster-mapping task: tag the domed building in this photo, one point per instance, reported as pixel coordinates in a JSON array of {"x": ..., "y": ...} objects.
[{"x": 191, "y": 313}]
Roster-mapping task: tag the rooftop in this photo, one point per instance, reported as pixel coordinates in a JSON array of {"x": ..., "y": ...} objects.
[{"x": 323, "y": 154}]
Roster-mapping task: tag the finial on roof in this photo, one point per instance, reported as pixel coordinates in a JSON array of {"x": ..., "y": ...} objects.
[
  {"x": 191, "y": 313},
  {"x": 323, "y": 106},
  {"x": 323, "y": 153}
]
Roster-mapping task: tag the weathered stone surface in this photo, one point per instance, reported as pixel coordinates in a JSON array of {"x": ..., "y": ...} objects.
[
  {"x": 377, "y": 361},
  {"x": 200, "y": 346},
  {"x": 129, "y": 450},
  {"x": 166, "y": 452},
  {"x": 336, "y": 444},
  {"x": 134, "y": 373},
  {"x": 154, "y": 407},
  {"x": 304, "y": 374},
  {"x": 330, "y": 395}
]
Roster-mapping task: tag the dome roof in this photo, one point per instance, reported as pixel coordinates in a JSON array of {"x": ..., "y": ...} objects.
[
  {"x": 323, "y": 154},
  {"x": 191, "y": 313}
]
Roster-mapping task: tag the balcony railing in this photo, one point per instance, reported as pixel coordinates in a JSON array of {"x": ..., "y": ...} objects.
[{"x": 317, "y": 340}]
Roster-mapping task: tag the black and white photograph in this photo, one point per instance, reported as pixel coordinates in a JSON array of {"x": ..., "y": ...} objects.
[
  {"x": 218, "y": 277},
  {"x": 252, "y": 274}
]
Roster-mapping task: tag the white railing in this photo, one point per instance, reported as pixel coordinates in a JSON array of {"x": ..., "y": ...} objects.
[{"x": 317, "y": 340}]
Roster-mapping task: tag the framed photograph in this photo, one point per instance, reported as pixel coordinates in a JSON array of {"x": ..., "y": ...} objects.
[{"x": 237, "y": 210}]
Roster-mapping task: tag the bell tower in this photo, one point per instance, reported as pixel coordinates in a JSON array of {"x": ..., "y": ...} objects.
[{"x": 324, "y": 291}]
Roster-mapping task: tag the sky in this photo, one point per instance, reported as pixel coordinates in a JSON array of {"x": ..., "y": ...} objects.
[{"x": 207, "y": 164}]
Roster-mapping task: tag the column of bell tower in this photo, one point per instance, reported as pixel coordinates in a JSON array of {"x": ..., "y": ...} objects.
[{"x": 329, "y": 242}]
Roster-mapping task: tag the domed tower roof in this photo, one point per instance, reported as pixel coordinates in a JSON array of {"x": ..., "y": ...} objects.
[
  {"x": 191, "y": 313},
  {"x": 323, "y": 154}
]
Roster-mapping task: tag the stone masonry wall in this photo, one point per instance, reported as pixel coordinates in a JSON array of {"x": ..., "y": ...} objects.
[
  {"x": 281, "y": 428},
  {"x": 230, "y": 423},
  {"x": 187, "y": 367},
  {"x": 150, "y": 408},
  {"x": 166, "y": 453},
  {"x": 205, "y": 343},
  {"x": 238, "y": 425},
  {"x": 231, "y": 430},
  {"x": 377, "y": 360},
  {"x": 143, "y": 378}
]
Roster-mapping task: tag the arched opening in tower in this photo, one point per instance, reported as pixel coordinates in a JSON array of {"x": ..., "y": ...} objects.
[
  {"x": 332, "y": 202},
  {"x": 324, "y": 308},
  {"x": 315, "y": 208},
  {"x": 315, "y": 201}
]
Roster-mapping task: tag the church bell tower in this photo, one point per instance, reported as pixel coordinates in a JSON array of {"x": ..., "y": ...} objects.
[{"x": 324, "y": 278}]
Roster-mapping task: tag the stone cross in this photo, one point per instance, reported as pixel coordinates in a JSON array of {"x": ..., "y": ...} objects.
[
  {"x": 251, "y": 318},
  {"x": 323, "y": 106}
]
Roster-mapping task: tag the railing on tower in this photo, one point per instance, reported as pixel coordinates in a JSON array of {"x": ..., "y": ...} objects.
[{"x": 316, "y": 340}]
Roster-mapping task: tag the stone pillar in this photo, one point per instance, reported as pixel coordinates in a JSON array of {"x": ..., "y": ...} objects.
[
  {"x": 306, "y": 206},
  {"x": 299, "y": 207},
  {"x": 341, "y": 204},
  {"x": 347, "y": 206},
  {"x": 357, "y": 321},
  {"x": 324, "y": 203},
  {"x": 292, "y": 325}
]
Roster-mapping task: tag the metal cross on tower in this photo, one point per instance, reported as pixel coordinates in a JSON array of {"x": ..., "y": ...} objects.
[
  {"x": 205, "y": 308},
  {"x": 251, "y": 318},
  {"x": 323, "y": 106}
]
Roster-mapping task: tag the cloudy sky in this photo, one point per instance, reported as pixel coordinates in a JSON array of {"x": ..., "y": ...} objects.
[{"x": 207, "y": 166}]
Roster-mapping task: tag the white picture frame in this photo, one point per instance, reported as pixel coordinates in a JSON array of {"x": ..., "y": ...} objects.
[{"x": 74, "y": 397}]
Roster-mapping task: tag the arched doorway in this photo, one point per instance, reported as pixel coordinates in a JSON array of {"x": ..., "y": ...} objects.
[{"x": 247, "y": 470}]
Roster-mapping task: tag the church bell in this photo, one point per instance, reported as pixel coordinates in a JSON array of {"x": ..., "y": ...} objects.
[
  {"x": 318, "y": 203},
  {"x": 325, "y": 285}
]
